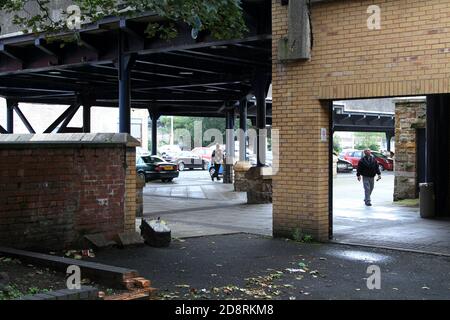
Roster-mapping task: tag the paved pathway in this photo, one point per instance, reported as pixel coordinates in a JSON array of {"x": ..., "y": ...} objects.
[{"x": 216, "y": 209}]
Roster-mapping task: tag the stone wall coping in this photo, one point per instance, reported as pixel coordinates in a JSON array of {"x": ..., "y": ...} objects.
[
  {"x": 409, "y": 100},
  {"x": 69, "y": 139}
]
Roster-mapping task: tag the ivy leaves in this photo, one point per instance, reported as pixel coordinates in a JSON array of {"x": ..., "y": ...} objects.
[{"x": 222, "y": 19}]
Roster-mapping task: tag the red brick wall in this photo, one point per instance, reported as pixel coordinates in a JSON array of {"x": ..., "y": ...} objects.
[{"x": 51, "y": 197}]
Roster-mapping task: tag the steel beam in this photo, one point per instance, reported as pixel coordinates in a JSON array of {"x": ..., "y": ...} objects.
[
  {"x": 10, "y": 115},
  {"x": 66, "y": 121},
  {"x": 86, "y": 118},
  {"x": 261, "y": 82},
  {"x": 24, "y": 119},
  {"x": 243, "y": 130},
  {"x": 154, "y": 117},
  {"x": 125, "y": 63},
  {"x": 63, "y": 116},
  {"x": 229, "y": 125}
]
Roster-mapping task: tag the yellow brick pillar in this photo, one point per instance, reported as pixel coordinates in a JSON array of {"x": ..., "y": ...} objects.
[
  {"x": 300, "y": 187},
  {"x": 130, "y": 186}
]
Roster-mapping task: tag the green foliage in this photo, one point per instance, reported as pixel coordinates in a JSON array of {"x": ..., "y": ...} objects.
[
  {"x": 337, "y": 144},
  {"x": 299, "y": 236},
  {"x": 222, "y": 19},
  {"x": 370, "y": 140},
  {"x": 188, "y": 123}
]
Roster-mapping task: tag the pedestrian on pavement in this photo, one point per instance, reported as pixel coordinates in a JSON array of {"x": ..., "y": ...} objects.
[
  {"x": 368, "y": 168},
  {"x": 217, "y": 158}
]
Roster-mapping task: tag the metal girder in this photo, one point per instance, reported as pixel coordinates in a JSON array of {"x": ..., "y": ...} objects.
[
  {"x": 41, "y": 45},
  {"x": 63, "y": 116},
  {"x": 7, "y": 52},
  {"x": 69, "y": 117},
  {"x": 24, "y": 119}
]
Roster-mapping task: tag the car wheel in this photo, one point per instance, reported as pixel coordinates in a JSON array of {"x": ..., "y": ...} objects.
[
  {"x": 170, "y": 180},
  {"x": 164, "y": 180},
  {"x": 380, "y": 166},
  {"x": 205, "y": 165},
  {"x": 181, "y": 166}
]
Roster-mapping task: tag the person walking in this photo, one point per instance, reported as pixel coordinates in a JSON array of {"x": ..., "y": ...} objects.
[
  {"x": 368, "y": 168},
  {"x": 217, "y": 158}
]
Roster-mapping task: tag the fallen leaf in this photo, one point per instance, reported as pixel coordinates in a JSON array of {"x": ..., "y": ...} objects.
[{"x": 291, "y": 270}]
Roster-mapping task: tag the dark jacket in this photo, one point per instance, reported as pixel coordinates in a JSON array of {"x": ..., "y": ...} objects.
[{"x": 368, "y": 167}]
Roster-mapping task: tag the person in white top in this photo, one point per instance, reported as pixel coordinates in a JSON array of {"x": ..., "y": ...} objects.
[{"x": 217, "y": 158}]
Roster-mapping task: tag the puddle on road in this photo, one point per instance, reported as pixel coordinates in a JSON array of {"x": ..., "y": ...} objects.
[{"x": 358, "y": 255}]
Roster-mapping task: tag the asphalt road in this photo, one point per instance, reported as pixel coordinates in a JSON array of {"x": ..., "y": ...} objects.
[{"x": 244, "y": 266}]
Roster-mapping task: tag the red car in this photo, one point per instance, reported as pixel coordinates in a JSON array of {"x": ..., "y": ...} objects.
[{"x": 354, "y": 156}]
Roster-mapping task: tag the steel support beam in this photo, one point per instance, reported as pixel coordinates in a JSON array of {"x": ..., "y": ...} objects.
[
  {"x": 389, "y": 136},
  {"x": 261, "y": 82},
  {"x": 69, "y": 117},
  {"x": 229, "y": 125},
  {"x": 154, "y": 117},
  {"x": 3, "y": 130},
  {"x": 125, "y": 64},
  {"x": 86, "y": 117},
  {"x": 10, "y": 115},
  {"x": 24, "y": 119},
  {"x": 63, "y": 116},
  {"x": 243, "y": 130}
]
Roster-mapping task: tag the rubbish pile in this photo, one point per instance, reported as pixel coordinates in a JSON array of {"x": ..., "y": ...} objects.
[{"x": 156, "y": 233}]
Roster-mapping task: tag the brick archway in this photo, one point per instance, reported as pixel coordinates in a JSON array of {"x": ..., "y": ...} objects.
[{"x": 407, "y": 56}]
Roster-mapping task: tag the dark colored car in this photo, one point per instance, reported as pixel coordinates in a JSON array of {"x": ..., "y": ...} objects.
[
  {"x": 189, "y": 160},
  {"x": 155, "y": 168},
  {"x": 344, "y": 166}
]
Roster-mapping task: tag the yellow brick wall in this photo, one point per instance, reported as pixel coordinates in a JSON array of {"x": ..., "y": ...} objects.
[
  {"x": 410, "y": 55},
  {"x": 130, "y": 190}
]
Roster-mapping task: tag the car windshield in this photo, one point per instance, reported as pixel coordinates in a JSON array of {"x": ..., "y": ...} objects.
[
  {"x": 152, "y": 159},
  {"x": 185, "y": 154}
]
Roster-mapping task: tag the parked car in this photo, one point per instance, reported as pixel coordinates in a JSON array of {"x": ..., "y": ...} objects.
[
  {"x": 203, "y": 152},
  {"x": 211, "y": 170},
  {"x": 155, "y": 168},
  {"x": 189, "y": 160},
  {"x": 354, "y": 156},
  {"x": 344, "y": 166},
  {"x": 385, "y": 162}
]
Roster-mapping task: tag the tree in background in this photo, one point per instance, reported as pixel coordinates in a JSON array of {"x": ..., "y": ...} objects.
[
  {"x": 188, "y": 123},
  {"x": 369, "y": 140},
  {"x": 337, "y": 144}
]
